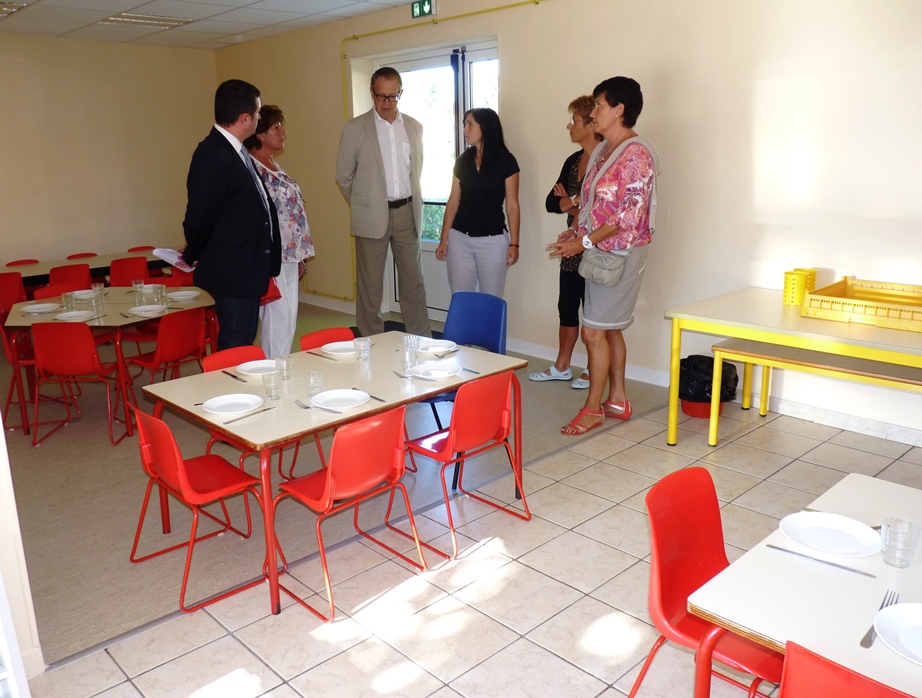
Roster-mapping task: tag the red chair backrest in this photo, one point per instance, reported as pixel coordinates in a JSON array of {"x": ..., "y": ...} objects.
[
  {"x": 55, "y": 290},
  {"x": 234, "y": 356},
  {"x": 185, "y": 277},
  {"x": 82, "y": 255},
  {"x": 364, "y": 454},
  {"x": 314, "y": 340},
  {"x": 160, "y": 454},
  {"x": 11, "y": 290},
  {"x": 686, "y": 543},
  {"x": 142, "y": 248},
  {"x": 181, "y": 334},
  {"x": 65, "y": 349},
  {"x": 71, "y": 274},
  {"x": 21, "y": 262},
  {"x": 125, "y": 270},
  {"x": 809, "y": 675},
  {"x": 481, "y": 412}
]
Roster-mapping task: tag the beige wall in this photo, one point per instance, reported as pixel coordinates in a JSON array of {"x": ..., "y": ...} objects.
[
  {"x": 97, "y": 143},
  {"x": 788, "y": 133}
]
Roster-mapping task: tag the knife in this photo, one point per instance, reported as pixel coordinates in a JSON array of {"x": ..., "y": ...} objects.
[
  {"x": 322, "y": 356},
  {"x": 237, "y": 419},
  {"x": 236, "y": 378},
  {"x": 816, "y": 559},
  {"x": 373, "y": 397},
  {"x": 470, "y": 370}
]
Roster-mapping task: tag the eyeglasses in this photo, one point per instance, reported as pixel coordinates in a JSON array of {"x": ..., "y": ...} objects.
[
  {"x": 388, "y": 98},
  {"x": 575, "y": 119}
]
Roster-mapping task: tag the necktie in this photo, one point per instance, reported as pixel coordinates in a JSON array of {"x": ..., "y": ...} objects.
[{"x": 257, "y": 183}]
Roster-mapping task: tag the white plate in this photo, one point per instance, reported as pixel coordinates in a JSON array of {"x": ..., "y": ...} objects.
[
  {"x": 183, "y": 295},
  {"x": 37, "y": 308},
  {"x": 257, "y": 368},
  {"x": 84, "y": 295},
  {"x": 75, "y": 315},
  {"x": 339, "y": 348},
  {"x": 432, "y": 346},
  {"x": 831, "y": 533},
  {"x": 900, "y": 628},
  {"x": 340, "y": 399},
  {"x": 147, "y": 309},
  {"x": 436, "y": 369},
  {"x": 235, "y": 403}
]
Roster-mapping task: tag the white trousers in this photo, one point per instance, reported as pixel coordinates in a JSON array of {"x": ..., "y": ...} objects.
[
  {"x": 278, "y": 318},
  {"x": 477, "y": 264}
]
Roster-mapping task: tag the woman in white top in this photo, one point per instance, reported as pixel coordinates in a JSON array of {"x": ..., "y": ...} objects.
[{"x": 279, "y": 318}]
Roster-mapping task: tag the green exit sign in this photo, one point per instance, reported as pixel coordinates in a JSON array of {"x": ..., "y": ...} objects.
[{"x": 423, "y": 8}]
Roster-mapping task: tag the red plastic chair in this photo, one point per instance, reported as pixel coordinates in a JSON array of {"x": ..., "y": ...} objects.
[
  {"x": 65, "y": 353},
  {"x": 71, "y": 274},
  {"x": 315, "y": 340},
  {"x": 82, "y": 255},
  {"x": 125, "y": 270},
  {"x": 366, "y": 460},
  {"x": 180, "y": 341},
  {"x": 55, "y": 290},
  {"x": 687, "y": 550},
  {"x": 16, "y": 347},
  {"x": 196, "y": 482},
  {"x": 12, "y": 290},
  {"x": 480, "y": 421},
  {"x": 148, "y": 248},
  {"x": 185, "y": 278},
  {"x": 21, "y": 262},
  {"x": 808, "y": 675}
]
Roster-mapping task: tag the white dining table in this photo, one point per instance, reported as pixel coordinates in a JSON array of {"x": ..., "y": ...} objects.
[
  {"x": 773, "y": 597},
  {"x": 277, "y": 422}
]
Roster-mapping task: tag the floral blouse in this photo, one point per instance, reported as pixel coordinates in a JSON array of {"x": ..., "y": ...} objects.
[
  {"x": 297, "y": 244},
  {"x": 622, "y": 198}
]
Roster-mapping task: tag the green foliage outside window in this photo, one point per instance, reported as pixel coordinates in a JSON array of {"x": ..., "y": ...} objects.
[{"x": 433, "y": 213}]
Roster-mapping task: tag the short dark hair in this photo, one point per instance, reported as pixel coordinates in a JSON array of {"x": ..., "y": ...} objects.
[
  {"x": 386, "y": 72},
  {"x": 269, "y": 116},
  {"x": 233, "y": 98},
  {"x": 621, "y": 90},
  {"x": 491, "y": 130}
]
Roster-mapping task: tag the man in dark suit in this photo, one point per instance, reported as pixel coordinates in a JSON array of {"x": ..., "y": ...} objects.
[{"x": 231, "y": 227}]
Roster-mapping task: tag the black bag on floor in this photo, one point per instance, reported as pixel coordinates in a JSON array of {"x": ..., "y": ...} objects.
[{"x": 696, "y": 373}]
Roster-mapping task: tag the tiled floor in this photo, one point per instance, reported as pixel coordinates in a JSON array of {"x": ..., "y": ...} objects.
[{"x": 552, "y": 607}]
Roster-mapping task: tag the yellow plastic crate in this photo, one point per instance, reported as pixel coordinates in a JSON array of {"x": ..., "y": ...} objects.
[{"x": 896, "y": 306}]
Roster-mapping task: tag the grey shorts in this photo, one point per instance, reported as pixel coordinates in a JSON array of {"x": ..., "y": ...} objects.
[{"x": 612, "y": 307}]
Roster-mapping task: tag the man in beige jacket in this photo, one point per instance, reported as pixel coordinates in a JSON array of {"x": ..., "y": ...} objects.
[{"x": 378, "y": 167}]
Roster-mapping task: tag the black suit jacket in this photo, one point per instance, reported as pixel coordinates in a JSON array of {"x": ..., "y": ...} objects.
[{"x": 236, "y": 244}]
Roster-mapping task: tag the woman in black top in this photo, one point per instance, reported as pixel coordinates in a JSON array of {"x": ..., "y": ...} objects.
[
  {"x": 474, "y": 229},
  {"x": 564, "y": 198}
]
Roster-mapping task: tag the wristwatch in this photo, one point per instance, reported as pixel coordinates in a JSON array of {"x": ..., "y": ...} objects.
[{"x": 587, "y": 243}]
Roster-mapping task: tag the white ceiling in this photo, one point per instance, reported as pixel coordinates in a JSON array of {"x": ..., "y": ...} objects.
[{"x": 217, "y": 22}]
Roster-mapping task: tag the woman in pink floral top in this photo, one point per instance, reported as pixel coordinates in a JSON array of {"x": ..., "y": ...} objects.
[
  {"x": 617, "y": 208},
  {"x": 279, "y": 318}
]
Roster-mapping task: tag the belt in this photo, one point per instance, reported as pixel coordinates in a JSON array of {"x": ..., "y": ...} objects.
[{"x": 397, "y": 203}]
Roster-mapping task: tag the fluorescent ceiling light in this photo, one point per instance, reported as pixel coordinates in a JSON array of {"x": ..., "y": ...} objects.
[{"x": 129, "y": 19}]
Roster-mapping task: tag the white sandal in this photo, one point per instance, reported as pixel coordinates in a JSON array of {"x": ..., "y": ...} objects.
[
  {"x": 552, "y": 374},
  {"x": 582, "y": 382}
]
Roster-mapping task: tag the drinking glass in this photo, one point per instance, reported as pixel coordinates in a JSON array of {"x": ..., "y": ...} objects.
[
  {"x": 68, "y": 300},
  {"x": 411, "y": 341},
  {"x": 99, "y": 289},
  {"x": 158, "y": 292},
  {"x": 362, "y": 347},
  {"x": 313, "y": 383},
  {"x": 137, "y": 285},
  {"x": 284, "y": 364},
  {"x": 408, "y": 356},
  {"x": 900, "y": 539},
  {"x": 272, "y": 382}
]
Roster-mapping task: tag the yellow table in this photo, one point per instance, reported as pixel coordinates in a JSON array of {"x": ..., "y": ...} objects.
[{"x": 759, "y": 314}]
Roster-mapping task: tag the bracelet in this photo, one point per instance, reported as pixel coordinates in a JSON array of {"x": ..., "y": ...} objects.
[{"x": 513, "y": 244}]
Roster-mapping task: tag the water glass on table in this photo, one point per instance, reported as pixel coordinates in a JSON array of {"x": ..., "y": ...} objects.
[
  {"x": 362, "y": 347},
  {"x": 284, "y": 364},
  {"x": 313, "y": 383},
  {"x": 272, "y": 382},
  {"x": 99, "y": 289},
  {"x": 137, "y": 285},
  {"x": 68, "y": 300},
  {"x": 408, "y": 357},
  {"x": 159, "y": 292},
  {"x": 411, "y": 341},
  {"x": 900, "y": 540}
]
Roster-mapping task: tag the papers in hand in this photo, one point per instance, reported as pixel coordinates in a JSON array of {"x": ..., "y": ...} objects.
[{"x": 172, "y": 257}]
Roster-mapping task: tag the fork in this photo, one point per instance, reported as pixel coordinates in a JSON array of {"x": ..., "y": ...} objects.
[
  {"x": 890, "y": 598},
  {"x": 308, "y": 407},
  {"x": 400, "y": 375},
  {"x": 445, "y": 353}
]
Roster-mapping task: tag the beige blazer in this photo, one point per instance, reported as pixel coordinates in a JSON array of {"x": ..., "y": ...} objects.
[{"x": 360, "y": 174}]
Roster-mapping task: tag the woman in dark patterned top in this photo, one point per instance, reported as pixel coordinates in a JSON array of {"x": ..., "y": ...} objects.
[
  {"x": 564, "y": 198},
  {"x": 476, "y": 242}
]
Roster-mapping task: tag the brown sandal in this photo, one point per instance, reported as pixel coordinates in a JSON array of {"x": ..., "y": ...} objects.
[{"x": 578, "y": 429}]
